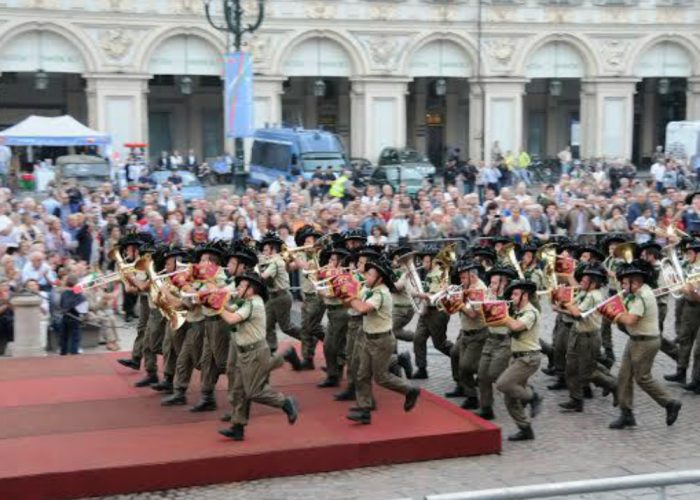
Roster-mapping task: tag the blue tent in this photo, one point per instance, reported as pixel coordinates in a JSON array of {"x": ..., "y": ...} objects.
[{"x": 52, "y": 131}]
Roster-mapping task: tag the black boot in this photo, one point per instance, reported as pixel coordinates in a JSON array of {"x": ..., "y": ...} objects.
[
  {"x": 692, "y": 386},
  {"x": 679, "y": 376},
  {"x": 421, "y": 373},
  {"x": 177, "y": 399},
  {"x": 535, "y": 403},
  {"x": 405, "y": 362},
  {"x": 587, "y": 392},
  {"x": 149, "y": 379},
  {"x": 559, "y": 385},
  {"x": 307, "y": 364},
  {"x": 165, "y": 386},
  {"x": 457, "y": 392},
  {"x": 395, "y": 369},
  {"x": 524, "y": 434},
  {"x": 347, "y": 395},
  {"x": 549, "y": 371},
  {"x": 626, "y": 419},
  {"x": 291, "y": 357},
  {"x": 360, "y": 415},
  {"x": 572, "y": 405},
  {"x": 672, "y": 411},
  {"x": 290, "y": 408},
  {"x": 329, "y": 382},
  {"x": 471, "y": 403},
  {"x": 235, "y": 432},
  {"x": 411, "y": 398},
  {"x": 486, "y": 413},
  {"x": 611, "y": 389},
  {"x": 206, "y": 403},
  {"x": 226, "y": 417},
  {"x": 130, "y": 363}
]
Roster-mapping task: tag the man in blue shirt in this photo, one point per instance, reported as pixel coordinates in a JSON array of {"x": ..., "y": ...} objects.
[{"x": 691, "y": 217}]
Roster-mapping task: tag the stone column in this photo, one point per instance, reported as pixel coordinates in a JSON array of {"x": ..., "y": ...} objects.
[
  {"x": 268, "y": 100},
  {"x": 378, "y": 109},
  {"x": 117, "y": 105},
  {"x": 30, "y": 338},
  {"x": 476, "y": 120},
  {"x": 504, "y": 113},
  {"x": 344, "y": 123},
  {"x": 607, "y": 117},
  {"x": 419, "y": 130},
  {"x": 692, "y": 110},
  {"x": 647, "y": 144}
]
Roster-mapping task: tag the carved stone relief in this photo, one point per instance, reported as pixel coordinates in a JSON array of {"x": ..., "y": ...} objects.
[{"x": 115, "y": 43}]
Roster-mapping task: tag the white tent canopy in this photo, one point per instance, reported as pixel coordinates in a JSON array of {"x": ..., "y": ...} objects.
[{"x": 52, "y": 131}]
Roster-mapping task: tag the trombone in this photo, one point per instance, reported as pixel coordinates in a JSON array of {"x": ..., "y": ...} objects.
[
  {"x": 141, "y": 264},
  {"x": 413, "y": 282}
]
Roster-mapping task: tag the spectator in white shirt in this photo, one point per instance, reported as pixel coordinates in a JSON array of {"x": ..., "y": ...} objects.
[
  {"x": 223, "y": 229},
  {"x": 657, "y": 171},
  {"x": 515, "y": 226},
  {"x": 37, "y": 269},
  {"x": 643, "y": 227},
  {"x": 398, "y": 228}
]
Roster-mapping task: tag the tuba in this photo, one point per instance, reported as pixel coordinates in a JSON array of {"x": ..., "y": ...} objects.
[
  {"x": 413, "y": 283},
  {"x": 507, "y": 254},
  {"x": 547, "y": 254},
  {"x": 626, "y": 251},
  {"x": 176, "y": 317}
]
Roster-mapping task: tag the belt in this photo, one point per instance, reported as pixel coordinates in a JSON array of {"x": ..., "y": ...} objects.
[
  {"x": 276, "y": 292},
  {"x": 498, "y": 335},
  {"x": 333, "y": 307},
  {"x": 212, "y": 318},
  {"x": 592, "y": 332},
  {"x": 250, "y": 347},
  {"x": 310, "y": 295},
  {"x": 377, "y": 335},
  {"x": 642, "y": 338},
  {"x": 468, "y": 333},
  {"x": 521, "y": 354},
  {"x": 402, "y": 306}
]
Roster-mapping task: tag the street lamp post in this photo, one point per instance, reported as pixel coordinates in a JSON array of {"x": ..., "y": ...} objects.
[{"x": 233, "y": 23}]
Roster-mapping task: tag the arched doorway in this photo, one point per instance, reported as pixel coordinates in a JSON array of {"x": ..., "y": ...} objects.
[
  {"x": 317, "y": 91},
  {"x": 552, "y": 99},
  {"x": 660, "y": 97},
  {"x": 185, "y": 100},
  {"x": 437, "y": 104},
  {"x": 41, "y": 73}
]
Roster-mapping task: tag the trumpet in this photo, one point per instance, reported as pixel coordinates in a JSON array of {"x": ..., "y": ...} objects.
[
  {"x": 287, "y": 254},
  {"x": 413, "y": 282},
  {"x": 90, "y": 282}
]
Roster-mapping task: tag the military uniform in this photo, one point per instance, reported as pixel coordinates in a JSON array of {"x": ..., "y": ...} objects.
[
  {"x": 335, "y": 338},
  {"x": 466, "y": 352},
  {"x": 611, "y": 264},
  {"x": 403, "y": 309},
  {"x": 432, "y": 324},
  {"x": 144, "y": 309},
  {"x": 495, "y": 356},
  {"x": 641, "y": 348},
  {"x": 153, "y": 340},
  {"x": 312, "y": 310},
  {"x": 667, "y": 347},
  {"x": 690, "y": 323},
  {"x": 377, "y": 349},
  {"x": 524, "y": 362},
  {"x": 584, "y": 347},
  {"x": 536, "y": 275},
  {"x": 355, "y": 339},
  {"x": 279, "y": 305}
]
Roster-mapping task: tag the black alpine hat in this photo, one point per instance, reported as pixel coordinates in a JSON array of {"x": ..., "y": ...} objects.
[
  {"x": 636, "y": 268},
  {"x": 484, "y": 252},
  {"x": 383, "y": 267},
  {"x": 211, "y": 247},
  {"x": 304, "y": 232},
  {"x": 650, "y": 247},
  {"x": 467, "y": 265},
  {"x": 270, "y": 238},
  {"x": 371, "y": 251},
  {"x": 505, "y": 271},
  {"x": 525, "y": 285},
  {"x": 325, "y": 255},
  {"x": 129, "y": 239},
  {"x": 244, "y": 253},
  {"x": 431, "y": 250},
  {"x": 356, "y": 235},
  {"x": 400, "y": 251},
  {"x": 256, "y": 280},
  {"x": 612, "y": 238},
  {"x": 594, "y": 270},
  {"x": 595, "y": 253}
]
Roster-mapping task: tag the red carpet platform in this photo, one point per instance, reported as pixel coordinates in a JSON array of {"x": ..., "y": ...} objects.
[{"x": 76, "y": 426}]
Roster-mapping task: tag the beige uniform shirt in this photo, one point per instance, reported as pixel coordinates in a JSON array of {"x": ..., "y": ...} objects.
[
  {"x": 142, "y": 276},
  {"x": 536, "y": 276},
  {"x": 379, "y": 320},
  {"x": 278, "y": 275},
  {"x": 330, "y": 301},
  {"x": 586, "y": 301},
  {"x": 528, "y": 340},
  {"x": 359, "y": 277},
  {"x": 498, "y": 330},
  {"x": 468, "y": 323},
  {"x": 691, "y": 269},
  {"x": 433, "y": 280},
  {"x": 401, "y": 297},
  {"x": 252, "y": 328},
  {"x": 661, "y": 283},
  {"x": 643, "y": 304},
  {"x": 307, "y": 286}
]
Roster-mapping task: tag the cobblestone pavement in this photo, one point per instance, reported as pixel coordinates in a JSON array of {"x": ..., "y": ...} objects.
[{"x": 566, "y": 448}]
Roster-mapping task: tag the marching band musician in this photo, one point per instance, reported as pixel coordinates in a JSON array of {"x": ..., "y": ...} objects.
[
  {"x": 173, "y": 340},
  {"x": 690, "y": 317},
  {"x": 190, "y": 356},
  {"x": 336, "y": 333},
  {"x": 466, "y": 352},
  {"x": 588, "y": 254},
  {"x": 651, "y": 252},
  {"x": 642, "y": 325},
  {"x": 524, "y": 330},
  {"x": 433, "y": 322},
  {"x": 129, "y": 247},
  {"x": 584, "y": 338},
  {"x": 496, "y": 350},
  {"x": 531, "y": 270},
  {"x": 215, "y": 337},
  {"x": 611, "y": 263},
  {"x": 484, "y": 256},
  {"x": 403, "y": 311},
  {"x": 274, "y": 272},
  {"x": 377, "y": 348},
  {"x": 253, "y": 357},
  {"x": 354, "y": 239},
  {"x": 312, "y": 307}
]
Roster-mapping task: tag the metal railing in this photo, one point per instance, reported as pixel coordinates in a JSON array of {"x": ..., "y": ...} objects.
[{"x": 659, "y": 481}]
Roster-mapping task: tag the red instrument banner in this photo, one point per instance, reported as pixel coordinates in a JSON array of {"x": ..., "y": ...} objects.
[
  {"x": 563, "y": 295},
  {"x": 452, "y": 303},
  {"x": 206, "y": 271},
  {"x": 214, "y": 299},
  {"x": 345, "y": 285},
  {"x": 564, "y": 266},
  {"x": 475, "y": 294},
  {"x": 181, "y": 279},
  {"x": 612, "y": 307},
  {"x": 494, "y": 312}
]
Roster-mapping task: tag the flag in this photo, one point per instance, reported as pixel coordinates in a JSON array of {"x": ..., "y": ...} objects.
[
  {"x": 612, "y": 307},
  {"x": 494, "y": 312},
  {"x": 238, "y": 107}
]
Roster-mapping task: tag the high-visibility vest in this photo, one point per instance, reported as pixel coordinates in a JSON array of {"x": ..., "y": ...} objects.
[{"x": 337, "y": 189}]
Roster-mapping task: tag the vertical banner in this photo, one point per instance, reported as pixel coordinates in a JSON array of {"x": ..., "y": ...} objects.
[{"x": 239, "y": 95}]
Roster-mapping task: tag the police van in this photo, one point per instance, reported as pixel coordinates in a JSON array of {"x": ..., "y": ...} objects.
[{"x": 291, "y": 152}]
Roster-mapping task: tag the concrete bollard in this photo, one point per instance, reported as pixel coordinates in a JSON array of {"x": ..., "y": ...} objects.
[{"x": 30, "y": 338}]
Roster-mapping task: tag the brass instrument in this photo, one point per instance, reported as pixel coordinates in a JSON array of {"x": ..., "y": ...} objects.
[
  {"x": 448, "y": 299},
  {"x": 176, "y": 317},
  {"x": 625, "y": 251},
  {"x": 507, "y": 254},
  {"x": 287, "y": 254},
  {"x": 119, "y": 275},
  {"x": 413, "y": 283},
  {"x": 444, "y": 259},
  {"x": 547, "y": 254},
  {"x": 672, "y": 271}
]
